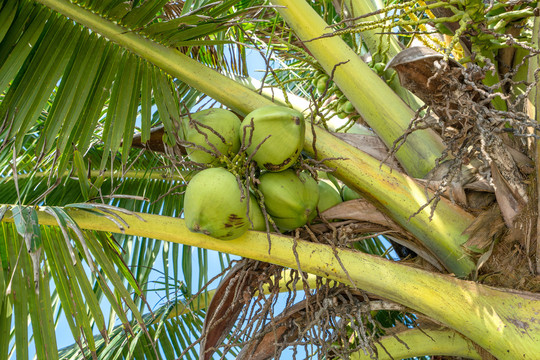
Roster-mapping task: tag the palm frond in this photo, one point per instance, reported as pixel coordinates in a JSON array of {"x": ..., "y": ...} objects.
[
  {"x": 27, "y": 184},
  {"x": 94, "y": 90},
  {"x": 63, "y": 251},
  {"x": 166, "y": 332},
  {"x": 117, "y": 265}
]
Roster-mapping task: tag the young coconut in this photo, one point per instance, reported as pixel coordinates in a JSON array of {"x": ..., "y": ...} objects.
[
  {"x": 213, "y": 205},
  {"x": 255, "y": 215},
  {"x": 328, "y": 196},
  {"x": 290, "y": 200},
  {"x": 223, "y": 122},
  {"x": 284, "y": 131},
  {"x": 349, "y": 194}
]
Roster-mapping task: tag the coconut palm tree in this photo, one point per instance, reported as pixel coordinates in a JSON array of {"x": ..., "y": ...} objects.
[{"x": 437, "y": 142}]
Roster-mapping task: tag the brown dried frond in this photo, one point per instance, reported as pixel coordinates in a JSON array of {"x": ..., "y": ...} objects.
[{"x": 510, "y": 263}]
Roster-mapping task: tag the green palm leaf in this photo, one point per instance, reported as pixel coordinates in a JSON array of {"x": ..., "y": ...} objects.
[
  {"x": 166, "y": 333},
  {"x": 85, "y": 74}
]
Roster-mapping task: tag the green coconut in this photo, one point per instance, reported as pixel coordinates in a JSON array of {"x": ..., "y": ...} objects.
[
  {"x": 213, "y": 205},
  {"x": 284, "y": 131},
  {"x": 328, "y": 196},
  {"x": 223, "y": 122},
  {"x": 349, "y": 194},
  {"x": 290, "y": 200}
]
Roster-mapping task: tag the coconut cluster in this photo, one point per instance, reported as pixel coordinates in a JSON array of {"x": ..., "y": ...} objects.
[{"x": 218, "y": 204}]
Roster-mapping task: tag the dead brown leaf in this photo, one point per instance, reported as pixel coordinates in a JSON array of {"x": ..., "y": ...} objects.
[
  {"x": 484, "y": 228},
  {"x": 233, "y": 293},
  {"x": 371, "y": 145}
]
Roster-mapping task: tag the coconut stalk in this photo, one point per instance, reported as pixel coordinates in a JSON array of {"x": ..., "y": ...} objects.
[
  {"x": 501, "y": 322},
  {"x": 396, "y": 194},
  {"x": 375, "y": 182},
  {"x": 378, "y": 105}
]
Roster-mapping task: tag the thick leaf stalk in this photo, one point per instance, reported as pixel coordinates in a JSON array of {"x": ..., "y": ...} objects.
[
  {"x": 400, "y": 197},
  {"x": 416, "y": 342},
  {"x": 372, "y": 37},
  {"x": 378, "y": 105},
  {"x": 504, "y": 323},
  {"x": 396, "y": 194},
  {"x": 381, "y": 47}
]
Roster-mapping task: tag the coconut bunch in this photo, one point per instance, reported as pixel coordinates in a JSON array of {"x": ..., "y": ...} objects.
[{"x": 222, "y": 202}]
